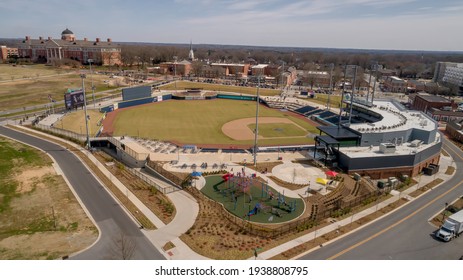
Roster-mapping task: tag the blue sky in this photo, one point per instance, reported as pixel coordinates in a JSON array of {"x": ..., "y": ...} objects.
[{"x": 365, "y": 24}]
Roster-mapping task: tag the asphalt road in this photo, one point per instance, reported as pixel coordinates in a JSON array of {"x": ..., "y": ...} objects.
[
  {"x": 406, "y": 233},
  {"x": 115, "y": 225}
]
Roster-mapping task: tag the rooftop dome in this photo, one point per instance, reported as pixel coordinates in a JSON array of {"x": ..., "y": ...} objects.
[{"x": 67, "y": 31}]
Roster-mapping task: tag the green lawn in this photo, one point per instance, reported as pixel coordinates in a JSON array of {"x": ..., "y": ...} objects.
[
  {"x": 279, "y": 130},
  {"x": 75, "y": 121},
  {"x": 322, "y": 99},
  {"x": 271, "y": 212},
  {"x": 198, "y": 122},
  {"x": 181, "y": 85}
]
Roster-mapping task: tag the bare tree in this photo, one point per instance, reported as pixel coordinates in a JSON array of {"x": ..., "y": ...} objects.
[
  {"x": 197, "y": 68},
  {"x": 123, "y": 247}
]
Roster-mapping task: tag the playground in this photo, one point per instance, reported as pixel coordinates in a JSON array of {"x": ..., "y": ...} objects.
[{"x": 246, "y": 197}]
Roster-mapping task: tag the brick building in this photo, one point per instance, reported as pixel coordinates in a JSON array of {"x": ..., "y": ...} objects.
[
  {"x": 179, "y": 68},
  {"x": 68, "y": 47},
  {"x": 424, "y": 102},
  {"x": 6, "y": 53},
  {"x": 395, "y": 84}
]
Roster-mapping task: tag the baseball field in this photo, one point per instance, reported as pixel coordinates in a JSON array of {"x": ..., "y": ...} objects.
[{"x": 208, "y": 123}]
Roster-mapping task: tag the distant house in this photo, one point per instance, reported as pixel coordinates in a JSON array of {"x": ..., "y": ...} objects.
[
  {"x": 414, "y": 86},
  {"x": 383, "y": 73},
  {"x": 395, "y": 84},
  {"x": 179, "y": 68}
]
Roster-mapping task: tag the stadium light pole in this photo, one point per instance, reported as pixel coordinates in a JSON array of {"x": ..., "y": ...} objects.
[
  {"x": 256, "y": 131},
  {"x": 175, "y": 73},
  {"x": 91, "y": 78},
  {"x": 328, "y": 104},
  {"x": 87, "y": 144}
]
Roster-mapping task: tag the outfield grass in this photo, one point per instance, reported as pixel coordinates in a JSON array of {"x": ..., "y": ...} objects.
[
  {"x": 268, "y": 130},
  {"x": 75, "y": 121},
  {"x": 199, "y": 122},
  {"x": 182, "y": 85},
  {"x": 31, "y": 85},
  {"x": 222, "y": 192},
  {"x": 322, "y": 99}
]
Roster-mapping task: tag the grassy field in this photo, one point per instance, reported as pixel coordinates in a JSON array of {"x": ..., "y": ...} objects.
[
  {"x": 75, "y": 121},
  {"x": 268, "y": 130},
  {"x": 322, "y": 99},
  {"x": 181, "y": 85},
  {"x": 221, "y": 191},
  {"x": 11, "y": 155},
  {"x": 199, "y": 122},
  {"x": 39, "y": 216},
  {"x": 30, "y": 85}
]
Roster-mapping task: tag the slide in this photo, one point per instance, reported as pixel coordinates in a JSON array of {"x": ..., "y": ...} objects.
[{"x": 253, "y": 211}]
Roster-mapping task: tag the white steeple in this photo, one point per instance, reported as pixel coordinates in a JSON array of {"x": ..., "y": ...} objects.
[{"x": 191, "y": 54}]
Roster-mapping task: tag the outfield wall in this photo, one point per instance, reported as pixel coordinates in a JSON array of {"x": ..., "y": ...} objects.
[{"x": 135, "y": 102}]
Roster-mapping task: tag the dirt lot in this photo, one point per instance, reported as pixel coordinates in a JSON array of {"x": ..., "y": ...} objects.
[{"x": 40, "y": 218}]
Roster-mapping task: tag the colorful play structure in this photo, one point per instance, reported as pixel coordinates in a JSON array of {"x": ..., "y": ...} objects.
[{"x": 247, "y": 189}]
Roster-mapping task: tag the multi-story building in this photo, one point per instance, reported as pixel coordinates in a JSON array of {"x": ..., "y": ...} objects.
[
  {"x": 6, "y": 53},
  {"x": 177, "y": 68},
  {"x": 315, "y": 78},
  {"x": 439, "y": 71},
  {"x": 454, "y": 76},
  {"x": 68, "y": 47},
  {"x": 395, "y": 84}
]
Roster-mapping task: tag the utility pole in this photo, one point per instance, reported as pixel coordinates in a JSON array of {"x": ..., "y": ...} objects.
[
  {"x": 256, "y": 132},
  {"x": 87, "y": 144}
]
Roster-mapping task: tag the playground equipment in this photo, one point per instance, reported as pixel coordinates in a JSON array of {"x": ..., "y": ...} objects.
[{"x": 245, "y": 189}]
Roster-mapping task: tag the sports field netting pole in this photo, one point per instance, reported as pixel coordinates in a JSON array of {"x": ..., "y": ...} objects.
[
  {"x": 87, "y": 145},
  {"x": 91, "y": 78},
  {"x": 256, "y": 131}
]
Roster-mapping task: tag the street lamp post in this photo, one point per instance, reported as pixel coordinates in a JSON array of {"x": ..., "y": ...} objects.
[
  {"x": 87, "y": 144},
  {"x": 91, "y": 78}
]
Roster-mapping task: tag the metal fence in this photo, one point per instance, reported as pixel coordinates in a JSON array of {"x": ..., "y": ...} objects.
[
  {"x": 151, "y": 182},
  {"x": 62, "y": 132},
  {"x": 166, "y": 174}
]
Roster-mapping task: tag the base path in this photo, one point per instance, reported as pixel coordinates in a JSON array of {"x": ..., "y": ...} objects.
[{"x": 239, "y": 130}]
